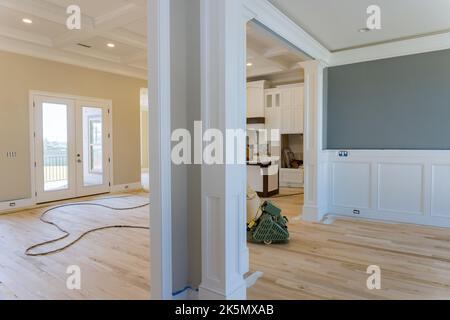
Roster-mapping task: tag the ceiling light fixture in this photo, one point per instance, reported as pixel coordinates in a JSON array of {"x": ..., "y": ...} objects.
[
  {"x": 111, "y": 45},
  {"x": 249, "y": 64},
  {"x": 27, "y": 21},
  {"x": 363, "y": 30}
]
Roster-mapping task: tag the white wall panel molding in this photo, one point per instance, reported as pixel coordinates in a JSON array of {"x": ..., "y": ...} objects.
[
  {"x": 402, "y": 185},
  {"x": 224, "y": 244}
]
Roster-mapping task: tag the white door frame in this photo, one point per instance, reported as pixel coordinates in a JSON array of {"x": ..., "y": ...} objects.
[
  {"x": 224, "y": 249},
  {"x": 75, "y": 98}
]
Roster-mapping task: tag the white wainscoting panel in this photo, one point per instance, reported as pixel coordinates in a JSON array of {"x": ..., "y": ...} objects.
[
  {"x": 400, "y": 188},
  {"x": 351, "y": 184},
  {"x": 440, "y": 203},
  {"x": 391, "y": 185}
]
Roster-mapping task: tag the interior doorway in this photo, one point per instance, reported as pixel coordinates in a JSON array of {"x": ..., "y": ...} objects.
[
  {"x": 72, "y": 147},
  {"x": 276, "y": 127}
]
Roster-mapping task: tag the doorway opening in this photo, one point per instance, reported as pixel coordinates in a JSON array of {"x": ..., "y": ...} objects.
[
  {"x": 275, "y": 144},
  {"x": 72, "y": 146}
]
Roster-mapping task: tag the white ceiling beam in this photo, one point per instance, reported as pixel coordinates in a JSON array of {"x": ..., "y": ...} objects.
[
  {"x": 25, "y": 36},
  {"x": 38, "y": 51},
  {"x": 126, "y": 37},
  {"x": 276, "y": 52},
  {"x": 281, "y": 66},
  {"x": 90, "y": 52},
  {"x": 263, "y": 71},
  {"x": 43, "y": 10}
]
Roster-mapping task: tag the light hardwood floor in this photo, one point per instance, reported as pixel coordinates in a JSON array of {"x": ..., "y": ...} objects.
[
  {"x": 114, "y": 263},
  {"x": 330, "y": 261},
  {"x": 320, "y": 262}
]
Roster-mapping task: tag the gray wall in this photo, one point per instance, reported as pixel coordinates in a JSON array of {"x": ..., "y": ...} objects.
[{"x": 397, "y": 103}]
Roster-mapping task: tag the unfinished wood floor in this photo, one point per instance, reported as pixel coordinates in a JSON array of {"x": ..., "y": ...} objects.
[
  {"x": 330, "y": 261},
  {"x": 114, "y": 263},
  {"x": 320, "y": 262}
]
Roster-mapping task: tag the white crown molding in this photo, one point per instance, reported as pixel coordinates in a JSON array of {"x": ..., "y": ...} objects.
[
  {"x": 17, "y": 34},
  {"x": 269, "y": 15},
  {"x": 126, "y": 37},
  {"x": 392, "y": 49},
  {"x": 30, "y": 49}
]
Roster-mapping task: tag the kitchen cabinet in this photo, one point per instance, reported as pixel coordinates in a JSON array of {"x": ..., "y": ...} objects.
[
  {"x": 284, "y": 108},
  {"x": 256, "y": 99},
  {"x": 272, "y": 109}
]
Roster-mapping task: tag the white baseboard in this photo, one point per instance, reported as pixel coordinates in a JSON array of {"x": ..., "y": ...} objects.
[
  {"x": 15, "y": 205},
  {"x": 126, "y": 187}
]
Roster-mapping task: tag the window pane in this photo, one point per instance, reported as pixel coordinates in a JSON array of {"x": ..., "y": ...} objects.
[
  {"x": 92, "y": 146},
  {"x": 55, "y": 155}
]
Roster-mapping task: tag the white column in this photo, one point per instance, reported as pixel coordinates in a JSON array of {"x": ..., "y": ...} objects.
[
  {"x": 224, "y": 246},
  {"x": 315, "y": 162},
  {"x": 160, "y": 148}
]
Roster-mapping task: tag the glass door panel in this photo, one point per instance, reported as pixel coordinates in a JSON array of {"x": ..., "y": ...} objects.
[
  {"x": 55, "y": 151},
  {"x": 92, "y": 148},
  {"x": 54, "y": 148}
]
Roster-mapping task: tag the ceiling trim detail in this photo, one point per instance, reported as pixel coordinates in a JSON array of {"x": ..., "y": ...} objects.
[
  {"x": 392, "y": 49},
  {"x": 128, "y": 58}
]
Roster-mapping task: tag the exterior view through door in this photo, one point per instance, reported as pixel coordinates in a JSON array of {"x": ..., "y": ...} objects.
[{"x": 71, "y": 146}]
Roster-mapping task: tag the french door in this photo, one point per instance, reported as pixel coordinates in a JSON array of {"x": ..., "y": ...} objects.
[{"x": 72, "y": 148}]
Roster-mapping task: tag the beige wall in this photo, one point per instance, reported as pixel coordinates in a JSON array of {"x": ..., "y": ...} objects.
[
  {"x": 144, "y": 139},
  {"x": 20, "y": 74}
]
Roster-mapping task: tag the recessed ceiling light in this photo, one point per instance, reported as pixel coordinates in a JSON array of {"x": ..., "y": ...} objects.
[
  {"x": 249, "y": 64},
  {"x": 27, "y": 21},
  {"x": 362, "y": 30},
  {"x": 111, "y": 45}
]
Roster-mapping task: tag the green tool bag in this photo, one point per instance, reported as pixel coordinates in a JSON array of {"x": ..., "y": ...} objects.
[{"x": 270, "y": 227}]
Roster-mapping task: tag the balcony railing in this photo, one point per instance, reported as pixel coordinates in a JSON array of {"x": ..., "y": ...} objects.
[{"x": 55, "y": 168}]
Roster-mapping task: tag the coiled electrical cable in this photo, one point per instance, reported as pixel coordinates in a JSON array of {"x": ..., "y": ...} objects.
[{"x": 66, "y": 233}]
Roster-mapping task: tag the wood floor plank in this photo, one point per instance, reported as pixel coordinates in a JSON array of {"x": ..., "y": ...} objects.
[
  {"x": 330, "y": 261},
  {"x": 114, "y": 263}
]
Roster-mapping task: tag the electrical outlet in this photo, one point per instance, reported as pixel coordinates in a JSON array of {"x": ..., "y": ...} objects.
[
  {"x": 356, "y": 212},
  {"x": 11, "y": 154},
  {"x": 343, "y": 154}
]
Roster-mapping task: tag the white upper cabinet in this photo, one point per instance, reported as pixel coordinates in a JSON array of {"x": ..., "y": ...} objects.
[
  {"x": 284, "y": 109},
  {"x": 256, "y": 99},
  {"x": 272, "y": 109}
]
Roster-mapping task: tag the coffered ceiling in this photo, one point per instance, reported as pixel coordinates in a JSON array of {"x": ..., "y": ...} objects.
[
  {"x": 270, "y": 55},
  {"x": 120, "y": 23}
]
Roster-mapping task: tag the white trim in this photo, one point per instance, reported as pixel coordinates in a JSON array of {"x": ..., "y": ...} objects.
[
  {"x": 159, "y": 53},
  {"x": 392, "y": 49},
  {"x": 223, "y": 91},
  {"x": 70, "y": 58},
  {"x": 420, "y": 198},
  {"x": 268, "y": 15},
  {"x": 126, "y": 187},
  {"x": 16, "y": 205}
]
